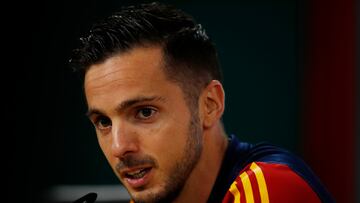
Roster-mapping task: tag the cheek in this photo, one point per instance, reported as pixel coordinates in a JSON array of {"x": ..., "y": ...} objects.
[
  {"x": 166, "y": 143},
  {"x": 106, "y": 149},
  {"x": 102, "y": 143}
]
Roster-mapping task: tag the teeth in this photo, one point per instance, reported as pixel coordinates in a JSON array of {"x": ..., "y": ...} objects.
[
  {"x": 134, "y": 172},
  {"x": 137, "y": 174}
]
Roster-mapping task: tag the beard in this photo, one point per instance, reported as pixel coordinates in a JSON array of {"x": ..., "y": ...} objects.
[{"x": 182, "y": 168}]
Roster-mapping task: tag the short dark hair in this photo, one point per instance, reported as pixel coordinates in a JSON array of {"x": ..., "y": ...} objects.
[{"x": 190, "y": 56}]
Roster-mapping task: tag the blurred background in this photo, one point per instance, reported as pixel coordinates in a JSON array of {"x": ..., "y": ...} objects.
[{"x": 291, "y": 76}]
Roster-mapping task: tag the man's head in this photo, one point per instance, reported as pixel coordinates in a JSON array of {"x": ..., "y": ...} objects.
[
  {"x": 145, "y": 70},
  {"x": 190, "y": 58}
]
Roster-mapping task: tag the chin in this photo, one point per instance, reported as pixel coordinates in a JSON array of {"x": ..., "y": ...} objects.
[
  {"x": 145, "y": 196},
  {"x": 153, "y": 195}
]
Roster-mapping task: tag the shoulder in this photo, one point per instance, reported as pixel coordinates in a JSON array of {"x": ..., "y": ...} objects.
[
  {"x": 270, "y": 182},
  {"x": 264, "y": 172}
]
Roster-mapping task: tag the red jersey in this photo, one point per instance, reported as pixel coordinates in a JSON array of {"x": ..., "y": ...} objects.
[{"x": 265, "y": 173}]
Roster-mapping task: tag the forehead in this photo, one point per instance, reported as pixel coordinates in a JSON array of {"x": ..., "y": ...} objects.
[
  {"x": 136, "y": 64},
  {"x": 135, "y": 74}
]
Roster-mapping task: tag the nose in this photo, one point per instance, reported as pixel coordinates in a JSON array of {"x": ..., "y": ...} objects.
[{"x": 124, "y": 140}]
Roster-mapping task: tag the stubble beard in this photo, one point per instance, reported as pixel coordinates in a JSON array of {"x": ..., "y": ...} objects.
[{"x": 182, "y": 169}]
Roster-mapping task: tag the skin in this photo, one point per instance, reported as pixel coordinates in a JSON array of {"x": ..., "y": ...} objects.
[{"x": 143, "y": 122}]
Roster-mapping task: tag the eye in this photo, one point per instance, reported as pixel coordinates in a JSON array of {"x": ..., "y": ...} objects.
[
  {"x": 145, "y": 113},
  {"x": 102, "y": 122}
]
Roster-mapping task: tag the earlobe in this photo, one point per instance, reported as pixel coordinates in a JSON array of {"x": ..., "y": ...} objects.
[{"x": 214, "y": 103}]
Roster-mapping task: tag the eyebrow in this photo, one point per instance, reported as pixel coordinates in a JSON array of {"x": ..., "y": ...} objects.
[{"x": 126, "y": 104}]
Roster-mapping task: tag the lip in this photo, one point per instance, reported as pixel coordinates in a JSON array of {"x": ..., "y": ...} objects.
[{"x": 138, "y": 182}]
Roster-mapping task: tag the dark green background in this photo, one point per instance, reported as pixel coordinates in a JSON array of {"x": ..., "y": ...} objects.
[{"x": 259, "y": 44}]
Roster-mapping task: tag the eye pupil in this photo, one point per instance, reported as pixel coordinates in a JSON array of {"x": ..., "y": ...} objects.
[
  {"x": 146, "y": 112},
  {"x": 104, "y": 122}
]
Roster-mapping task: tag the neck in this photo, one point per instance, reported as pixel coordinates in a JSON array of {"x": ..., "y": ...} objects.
[{"x": 202, "y": 179}]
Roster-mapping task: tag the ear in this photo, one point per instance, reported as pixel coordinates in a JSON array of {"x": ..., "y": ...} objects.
[{"x": 213, "y": 103}]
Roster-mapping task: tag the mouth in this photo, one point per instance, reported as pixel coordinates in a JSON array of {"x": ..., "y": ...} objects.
[{"x": 138, "y": 177}]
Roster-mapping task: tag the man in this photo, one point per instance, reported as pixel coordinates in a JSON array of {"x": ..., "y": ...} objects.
[{"x": 153, "y": 87}]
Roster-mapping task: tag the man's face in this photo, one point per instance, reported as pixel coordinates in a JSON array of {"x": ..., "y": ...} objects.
[{"x": 144, "y": 126}]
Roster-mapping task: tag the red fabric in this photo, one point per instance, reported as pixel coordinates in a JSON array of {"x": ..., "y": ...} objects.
[
  {"x": 255, "y": 186},
  {"x": 283, "y": 185}
]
